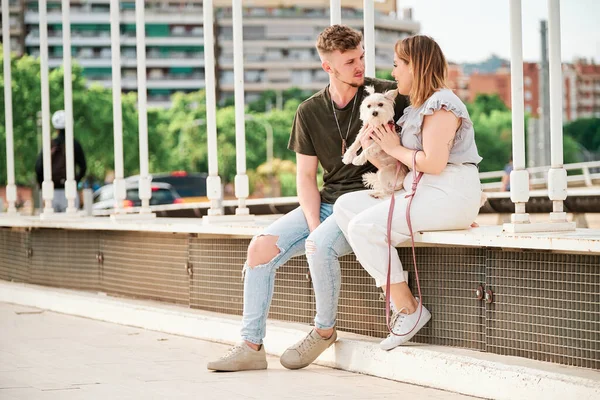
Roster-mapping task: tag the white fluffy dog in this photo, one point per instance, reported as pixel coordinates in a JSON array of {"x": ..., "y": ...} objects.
[{"x": 376, "y": 109}]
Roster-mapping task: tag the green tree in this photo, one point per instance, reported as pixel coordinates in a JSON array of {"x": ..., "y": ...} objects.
[
  {"x": 269, "y": 97},
  {"x": 485, "y": 104},
  {"x": 493, "y": 134},
  {"x": 492, "y": 122},
  {"x": 585, "y": 131},
  {"x": 26, "y": 100},
  {"x": 92, "y": 118},
  {"x": 384, "y": 74},
  {"x": 185, "y": 132}
]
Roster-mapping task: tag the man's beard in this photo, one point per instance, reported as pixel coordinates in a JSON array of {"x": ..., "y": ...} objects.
[{"x": 352, "y": 84}]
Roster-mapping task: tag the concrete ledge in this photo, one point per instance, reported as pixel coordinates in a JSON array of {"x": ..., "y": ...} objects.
[
  {"x": 457, "y": 370},
  {"x": 584, "y": 241}
]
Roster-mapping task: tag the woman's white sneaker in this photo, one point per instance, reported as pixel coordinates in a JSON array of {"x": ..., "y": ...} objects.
[{"x": 402, "y": 324}]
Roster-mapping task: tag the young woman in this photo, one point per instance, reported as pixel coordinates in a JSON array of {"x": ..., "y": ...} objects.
[{"x": 437, "y": 130}]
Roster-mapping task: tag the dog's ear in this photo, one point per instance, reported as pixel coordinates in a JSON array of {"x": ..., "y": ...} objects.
[
  {"x": 370, "y": 90},
  {"x": 391, "y": 94}
]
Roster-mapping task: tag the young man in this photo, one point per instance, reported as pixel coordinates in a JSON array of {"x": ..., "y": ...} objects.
[
  {"x": 323, "y": 126},
  {"x": 58, "y": 155}
]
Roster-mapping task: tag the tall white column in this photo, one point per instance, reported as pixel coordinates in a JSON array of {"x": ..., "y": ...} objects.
[
  {"x": 335, "y": 12},
  {"x": 519, "y": 177},
  {"x": 213, "y": 182},
  {"x": 140, "y": 32},
  {"x": 115, "y": 39},
  {"x": 70, "y": 184},
  {"x": 369, "y": 37},
  {"x": 11, "y": 188},
  {"x": 241, "y": 179},
  {"x": 47, "y": 185},
  {"x": 557, "y": 175}
]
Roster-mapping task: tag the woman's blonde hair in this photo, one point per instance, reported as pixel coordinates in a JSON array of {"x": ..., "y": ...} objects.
[{"x": 428, "y": 64}]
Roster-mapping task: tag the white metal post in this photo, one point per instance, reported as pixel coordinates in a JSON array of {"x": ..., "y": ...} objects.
[
  {"x": 11, "y": 188},
  {"x": 369, "y": 37},
  {"x": 519, "y": 177},
  {"x": 70, "y": 184},
  {"x": 144, "y": 189},
  {"x": 335, "y": 12},
  {"x": 213, "y": 182},
  {"x": 241, "y": 179},
  {"x": 115, "y": 39},
  {"x": 557, "y": 175},
  {"x": 47, "y": 185}
]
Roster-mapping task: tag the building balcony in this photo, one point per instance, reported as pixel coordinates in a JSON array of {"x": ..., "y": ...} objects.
[
  {"x": 172, "y": 83},
  {"x": 384, "y": 23},
  {"x": 166, "y": 41},
  {"x": 586, "y": 102},
  {"x": 268, "y": 43},
  {"x": 127, "y": 16},
  {"x": 130, "y": 62},
  {"x": 262, "y": 86},
  {"x": 55, "y": 39},
  {"x": 286, "y": 63},
  {"x": 274, "y": 64},
  {"x": 16, "y": 30}
]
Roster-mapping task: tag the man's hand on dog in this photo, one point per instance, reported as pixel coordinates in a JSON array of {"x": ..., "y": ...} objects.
[{"x": 385, "y": 137}]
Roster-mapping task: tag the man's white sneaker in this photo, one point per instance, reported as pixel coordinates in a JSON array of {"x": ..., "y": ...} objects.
[
  {"x": 306, "y": 350},
  {"x": 403, "y": 323},
  {"x": 240, "y": 358}
]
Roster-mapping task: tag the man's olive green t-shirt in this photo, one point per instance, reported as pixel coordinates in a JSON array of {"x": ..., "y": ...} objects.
[{"x": 315, "y": 133}]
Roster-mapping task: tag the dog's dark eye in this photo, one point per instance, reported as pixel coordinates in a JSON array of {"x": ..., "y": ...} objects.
[
  {"x": 368, "y": 106},
  {"x": 380, "y": 104}
]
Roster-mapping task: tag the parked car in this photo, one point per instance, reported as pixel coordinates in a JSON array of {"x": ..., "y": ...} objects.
[
  {"x": 191, "y": 186},
  {"x": 162, "y": 193}
]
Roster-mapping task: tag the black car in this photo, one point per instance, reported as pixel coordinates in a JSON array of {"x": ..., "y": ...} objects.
[{"x": 162, "y": 193}]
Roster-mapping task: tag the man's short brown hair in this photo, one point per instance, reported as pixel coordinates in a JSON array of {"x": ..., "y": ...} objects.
[{"x": 338, "y": 37}]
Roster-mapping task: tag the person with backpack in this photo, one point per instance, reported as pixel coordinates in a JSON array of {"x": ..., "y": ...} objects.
[{"x": 58, "y": 154}]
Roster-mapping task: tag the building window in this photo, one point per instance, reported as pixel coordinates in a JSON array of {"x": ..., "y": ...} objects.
[
  {"x": 528, "y": 109},
  {"x": 527, "y": 95},
  {"x": 527, "y": 81}
]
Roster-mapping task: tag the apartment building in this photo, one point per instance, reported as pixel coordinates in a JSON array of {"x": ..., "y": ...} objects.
[
  {"x": 458, "y": 81},
  {"x": 279, "y": 38},
  {"x": 581, "y": 88},
  {"x": 16, "y": 9}
]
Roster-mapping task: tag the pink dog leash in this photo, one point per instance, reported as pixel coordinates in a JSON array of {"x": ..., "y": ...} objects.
[{"x": 416, "y": 178}]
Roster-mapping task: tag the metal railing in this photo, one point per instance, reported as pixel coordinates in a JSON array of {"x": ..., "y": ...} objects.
[
  {"x": 588, "y": 176},
  {"x": 557, "y": 179}
]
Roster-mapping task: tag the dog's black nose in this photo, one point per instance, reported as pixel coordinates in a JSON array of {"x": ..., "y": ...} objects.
[{"x": 375, "y": 113}]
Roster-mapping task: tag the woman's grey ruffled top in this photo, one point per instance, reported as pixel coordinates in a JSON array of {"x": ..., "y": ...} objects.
[{"x": 464, "y": 149}]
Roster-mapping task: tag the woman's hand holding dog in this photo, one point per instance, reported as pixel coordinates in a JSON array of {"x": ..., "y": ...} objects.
[
  {"x": 365, "y": 140},
  {"x": 385, "y": 137}
]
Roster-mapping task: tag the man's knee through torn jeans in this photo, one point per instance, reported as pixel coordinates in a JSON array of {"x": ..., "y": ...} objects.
[{"x": 292, "y": 232}]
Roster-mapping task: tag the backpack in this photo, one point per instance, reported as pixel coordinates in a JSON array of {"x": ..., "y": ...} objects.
[{"x": 59, "y": 163}]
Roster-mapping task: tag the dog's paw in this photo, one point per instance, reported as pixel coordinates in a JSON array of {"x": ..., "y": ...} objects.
[
  {"x": 348, "y": 158},
  {"x": 377, "y": 195},
  {"x": 359, "y": 161}
]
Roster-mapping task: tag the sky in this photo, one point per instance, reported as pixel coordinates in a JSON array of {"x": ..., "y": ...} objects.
[{"x": 471, "y": 30}]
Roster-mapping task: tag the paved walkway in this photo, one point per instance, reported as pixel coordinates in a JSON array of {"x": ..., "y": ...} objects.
[{"x": 44, "y": 355}]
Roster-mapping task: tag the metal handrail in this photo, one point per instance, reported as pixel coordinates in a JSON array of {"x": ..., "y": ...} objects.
[{"x": 583, "y": 165}]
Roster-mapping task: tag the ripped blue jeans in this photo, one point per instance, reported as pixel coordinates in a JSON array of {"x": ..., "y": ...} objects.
[{"x": 323, "y": 247}]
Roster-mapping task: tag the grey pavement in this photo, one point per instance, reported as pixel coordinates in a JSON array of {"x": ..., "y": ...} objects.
[{"x": 45, "y": 355}]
